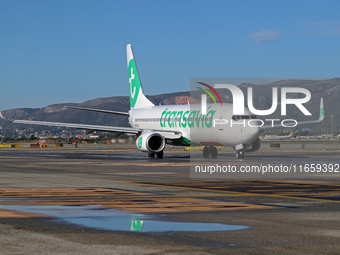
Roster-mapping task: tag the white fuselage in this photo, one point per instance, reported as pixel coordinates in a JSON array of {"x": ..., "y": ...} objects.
[{"x": 217, "y": 127}]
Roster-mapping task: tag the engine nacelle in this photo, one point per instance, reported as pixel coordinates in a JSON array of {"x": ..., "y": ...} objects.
[
  {"x": 254, "y": 146},
  {"x": 150, "y": 142}
]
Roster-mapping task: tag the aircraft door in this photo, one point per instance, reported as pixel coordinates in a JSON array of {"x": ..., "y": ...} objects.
[
  {"x": 238, "y": 123},
  {"x": 222, "y": 119}
]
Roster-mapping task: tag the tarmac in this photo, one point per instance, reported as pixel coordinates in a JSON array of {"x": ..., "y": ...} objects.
[{"x": 113, "y": 199}]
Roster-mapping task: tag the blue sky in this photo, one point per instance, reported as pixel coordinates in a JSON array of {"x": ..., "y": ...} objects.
[{"x": 72, "y": 51}]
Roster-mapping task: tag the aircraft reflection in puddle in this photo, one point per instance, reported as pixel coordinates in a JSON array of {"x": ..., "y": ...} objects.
[
  {"x": 136, "y": 225},
  {"x": 111, "y": 219}
]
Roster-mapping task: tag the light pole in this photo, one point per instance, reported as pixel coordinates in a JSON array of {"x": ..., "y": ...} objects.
[{"x": 332, "y": 125}]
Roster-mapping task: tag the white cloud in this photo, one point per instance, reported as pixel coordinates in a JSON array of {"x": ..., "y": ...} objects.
[{"x": 264, "y": 36}]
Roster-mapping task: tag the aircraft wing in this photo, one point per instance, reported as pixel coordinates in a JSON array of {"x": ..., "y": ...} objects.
[
  {"x": 98, "y": 110},
  {"x": 321, "y": 118},
  {"x": 168, "y": 134}
]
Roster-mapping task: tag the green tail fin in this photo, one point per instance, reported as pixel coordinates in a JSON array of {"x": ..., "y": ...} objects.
[{"x": 137, "y": 97}]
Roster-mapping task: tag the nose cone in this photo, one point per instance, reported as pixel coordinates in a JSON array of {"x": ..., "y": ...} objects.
[
  {"x": 252, "y": 130},
  {"x": 255, "y": 131}
]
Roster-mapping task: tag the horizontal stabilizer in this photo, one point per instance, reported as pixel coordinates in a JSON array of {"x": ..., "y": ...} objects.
[{"x": 98, "y": 110}]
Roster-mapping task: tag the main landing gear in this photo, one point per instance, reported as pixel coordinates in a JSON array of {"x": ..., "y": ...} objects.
[
  {"x": 211, "y": 150},
  {"x": 158, "y": 154}
]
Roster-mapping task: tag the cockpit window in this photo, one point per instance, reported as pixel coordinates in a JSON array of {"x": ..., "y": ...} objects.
[{"x": 243, "y": 117}]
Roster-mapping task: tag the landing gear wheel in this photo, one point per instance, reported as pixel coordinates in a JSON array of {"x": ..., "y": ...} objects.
[
  {"x": 240, "y": 155},
  {"x": 160, "y": 154},
  {"x": 213, "y": 151},
  {"x": 206, "y": 152},
  {"x": 151, "y": 155}
]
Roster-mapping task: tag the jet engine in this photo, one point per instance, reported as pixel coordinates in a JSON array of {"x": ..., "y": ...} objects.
[
  {"x": 253, "y": 146},
  {"x": 150, "y": 142}
]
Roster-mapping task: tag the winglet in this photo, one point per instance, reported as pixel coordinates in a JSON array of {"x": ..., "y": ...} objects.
[
  {"x": 321, "y": 118},
  {"x": 2, "y": 117},
  {"x": 322, "y": 112}
]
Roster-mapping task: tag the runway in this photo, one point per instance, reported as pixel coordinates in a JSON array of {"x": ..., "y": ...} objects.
[{"x": 114, "y": 200}]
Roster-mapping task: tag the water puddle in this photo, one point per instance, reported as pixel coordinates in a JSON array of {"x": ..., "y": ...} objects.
[{"x": 112, "y": 219}]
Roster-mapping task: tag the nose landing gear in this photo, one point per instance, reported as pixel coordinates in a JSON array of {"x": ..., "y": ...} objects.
[
  {"x": 240, "y": 154},
  {"x": 211, "y": 151},
  {"x": 239, "y": 151}
]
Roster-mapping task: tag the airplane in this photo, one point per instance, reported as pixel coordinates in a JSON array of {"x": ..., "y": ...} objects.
[
  {"x": 279, "y": 137},
  {"x": 182, "y": 125}
]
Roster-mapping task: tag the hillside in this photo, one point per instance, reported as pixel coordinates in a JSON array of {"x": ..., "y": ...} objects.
[{"x": 327, "y": 89}]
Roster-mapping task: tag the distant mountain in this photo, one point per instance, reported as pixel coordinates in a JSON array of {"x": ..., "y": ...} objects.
[
  {"x": 327, "y": 89},
  {"x": 59, "y": 112}
]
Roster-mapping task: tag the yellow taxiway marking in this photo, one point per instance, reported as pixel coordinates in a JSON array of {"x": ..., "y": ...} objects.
[
  {"x": 139, "y": 202},
  {"x": 241, "y": 193},
  {"x": 303, "y": 183}
]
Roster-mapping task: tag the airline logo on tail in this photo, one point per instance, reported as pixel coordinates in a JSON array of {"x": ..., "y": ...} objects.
[
  {"x": 137, "y": 97},
  {"x": 133, "y": 82}
]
